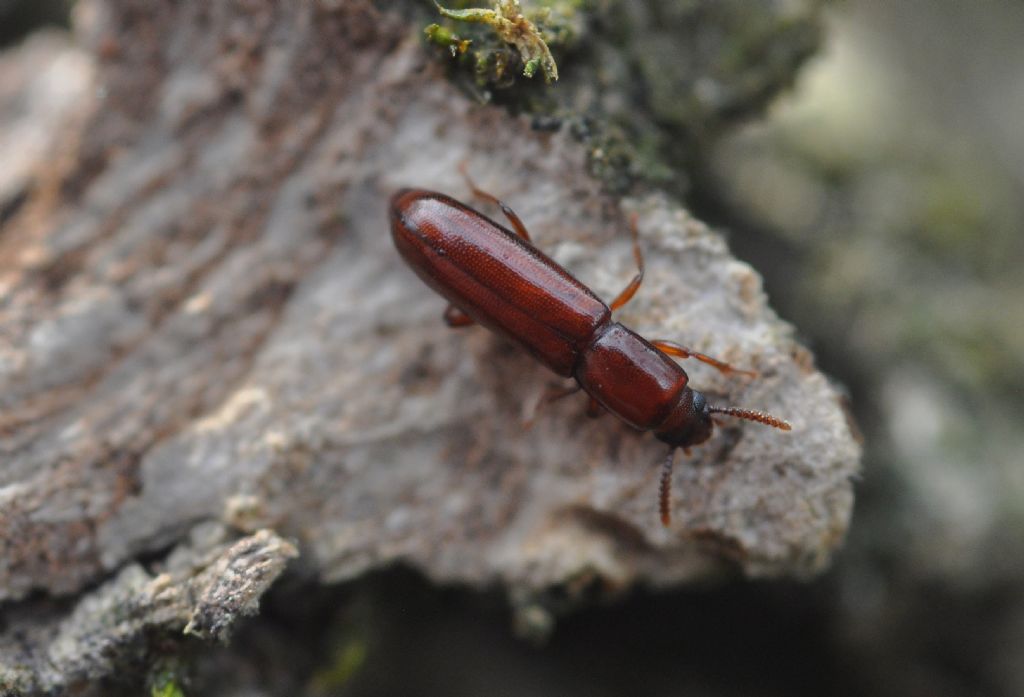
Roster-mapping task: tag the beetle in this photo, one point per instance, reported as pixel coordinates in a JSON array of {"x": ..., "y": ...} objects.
[{"x": 495, "y": 277}]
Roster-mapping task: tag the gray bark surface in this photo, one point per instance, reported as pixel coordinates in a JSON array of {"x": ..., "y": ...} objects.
[{"x": 206, "y": 335}]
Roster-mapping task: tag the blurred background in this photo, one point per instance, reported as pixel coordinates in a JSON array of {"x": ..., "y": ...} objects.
[
  {"x": 20, "y": 17},
  {"x": 882, "y": 198}
]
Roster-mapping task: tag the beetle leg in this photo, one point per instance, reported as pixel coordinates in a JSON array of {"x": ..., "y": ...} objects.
[
  {"x": 630, "y": 290},
  {"x": 665, "y": 488},
  {"x": 594, "y": 408},
  {"x": 454, "y": 317},
  {"x": 674, "y": 349},
  {"x": 517, "y": 224},
  {"x": 551, "y": 394}
]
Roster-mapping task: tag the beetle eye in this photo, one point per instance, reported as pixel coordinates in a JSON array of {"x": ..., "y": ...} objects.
[{"x": 700, "y": 404}]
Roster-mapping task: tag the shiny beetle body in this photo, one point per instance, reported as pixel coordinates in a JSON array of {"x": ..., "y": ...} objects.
[{"x": 498, "y": 279}]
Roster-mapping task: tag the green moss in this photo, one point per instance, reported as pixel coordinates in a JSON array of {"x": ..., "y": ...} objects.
[
  {"x": 647, "y": 85},
  {"x": 514, "y": 28},
  {"x": 165, "y": 684},
  {"x": 347, "y": 660},
  {"x": 441, "y": 36}
]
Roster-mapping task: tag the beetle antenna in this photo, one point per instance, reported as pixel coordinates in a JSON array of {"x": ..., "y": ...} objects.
[
  {"x": 665, "y": 488},
  {"x": 751, "y": 415}
]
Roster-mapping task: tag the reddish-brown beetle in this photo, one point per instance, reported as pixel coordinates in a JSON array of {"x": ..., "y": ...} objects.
[{"x": 496, "y": 277}]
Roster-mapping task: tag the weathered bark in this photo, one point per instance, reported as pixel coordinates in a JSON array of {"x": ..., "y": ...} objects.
[{"x": 204, "y": 322}]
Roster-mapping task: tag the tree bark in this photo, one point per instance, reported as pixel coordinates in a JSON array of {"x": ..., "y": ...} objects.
[{"x": 209, "y": 347}]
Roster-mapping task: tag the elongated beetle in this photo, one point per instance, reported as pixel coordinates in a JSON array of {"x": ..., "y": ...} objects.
[{"x": 497, "y": 278}]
